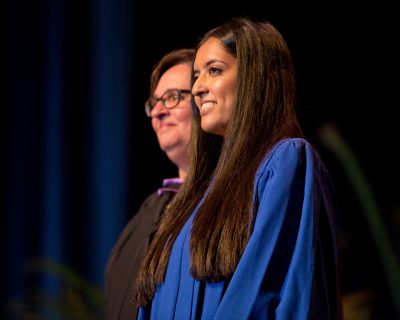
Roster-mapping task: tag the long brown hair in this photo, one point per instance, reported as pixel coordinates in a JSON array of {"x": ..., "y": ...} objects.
[{"x": 263, "y": 113}]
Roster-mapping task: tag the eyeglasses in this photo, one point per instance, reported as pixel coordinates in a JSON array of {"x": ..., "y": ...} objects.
[{"x": 170, "y": 99}]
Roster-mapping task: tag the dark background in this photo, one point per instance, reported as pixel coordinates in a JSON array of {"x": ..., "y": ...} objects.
[{"x": 79, "y": 154}]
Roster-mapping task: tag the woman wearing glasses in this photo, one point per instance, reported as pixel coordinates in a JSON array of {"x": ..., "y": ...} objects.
[
  {"x": 169, "y": 108},
  {"x": 252, "y": 233}
]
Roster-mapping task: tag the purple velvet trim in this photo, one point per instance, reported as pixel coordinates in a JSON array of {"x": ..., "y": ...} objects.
[{"x": 167, "y": 183}]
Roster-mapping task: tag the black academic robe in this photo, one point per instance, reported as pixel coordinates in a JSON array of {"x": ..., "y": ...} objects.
[{"x": 128, "y": 253}]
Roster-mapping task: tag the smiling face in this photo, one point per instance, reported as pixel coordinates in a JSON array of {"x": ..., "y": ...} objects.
[
  {"x": 172, "y": 126},
  {"x": 215, "y": 74}
]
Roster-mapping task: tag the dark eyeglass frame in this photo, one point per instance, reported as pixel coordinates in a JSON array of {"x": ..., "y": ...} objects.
[{"x": 151, "y": 102}]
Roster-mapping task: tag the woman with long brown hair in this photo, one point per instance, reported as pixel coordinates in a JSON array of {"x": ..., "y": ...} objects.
[{"x": 252, "y": 233}]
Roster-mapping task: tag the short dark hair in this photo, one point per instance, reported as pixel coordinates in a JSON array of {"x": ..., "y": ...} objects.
[{"x": 168, "y": 61}]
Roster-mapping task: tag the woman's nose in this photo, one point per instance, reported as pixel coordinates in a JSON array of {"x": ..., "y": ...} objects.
[
  {"x": 199, "y": 87},
  {"x": 158, "y": 110}
]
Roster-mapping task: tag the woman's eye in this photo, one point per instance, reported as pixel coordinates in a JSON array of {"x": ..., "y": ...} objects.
[
  {"x": 173, "y": 97},
  {"x": 214, "y": 71}
]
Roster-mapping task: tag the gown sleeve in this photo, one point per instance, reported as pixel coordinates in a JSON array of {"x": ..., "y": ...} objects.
[{"x": 287, "y": 270}]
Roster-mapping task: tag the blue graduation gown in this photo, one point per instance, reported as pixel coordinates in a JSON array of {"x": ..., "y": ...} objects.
[{"x": 288, "y": 269}]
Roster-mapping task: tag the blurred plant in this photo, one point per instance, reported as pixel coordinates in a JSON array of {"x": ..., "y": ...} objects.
[
  {"x": 357, "y": 305},
  {"x": 332, "y": 139},
  {"x": 77, "y": 298}
]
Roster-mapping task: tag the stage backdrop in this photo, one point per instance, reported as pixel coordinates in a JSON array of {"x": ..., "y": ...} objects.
[
  {"x": 67, "y": 153},
  {"x": 79, "y": 155}
]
